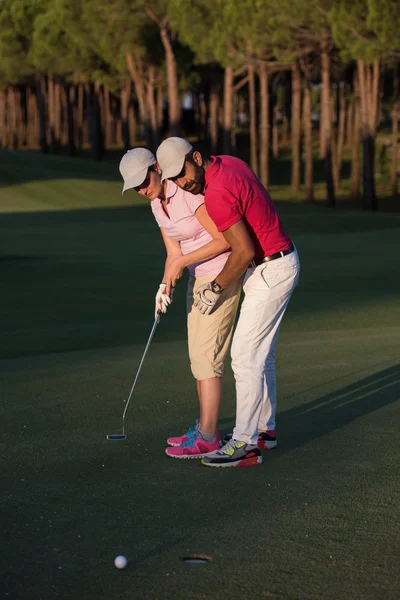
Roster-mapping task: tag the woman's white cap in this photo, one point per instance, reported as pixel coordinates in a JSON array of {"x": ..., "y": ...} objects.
[
  {"x": 134, "y": 165},
  {"x": 171, "y": 156}
]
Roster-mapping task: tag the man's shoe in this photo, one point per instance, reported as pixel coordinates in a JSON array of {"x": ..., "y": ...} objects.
[
  {"x": 195, "y": 446},
  {"x": 265, "y": 440},
  {"x": 177, "y": 441},
  {"x": 234, "y": 454}
]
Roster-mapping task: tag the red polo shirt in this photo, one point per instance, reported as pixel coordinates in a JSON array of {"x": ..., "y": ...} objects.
[{"x": 232, "y": 192}]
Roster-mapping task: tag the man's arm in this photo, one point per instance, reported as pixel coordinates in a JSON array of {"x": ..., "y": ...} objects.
[{"x": 242, "y": 252}]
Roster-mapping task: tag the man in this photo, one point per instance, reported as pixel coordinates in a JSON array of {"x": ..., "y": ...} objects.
[{"x": 241, "y": 208}]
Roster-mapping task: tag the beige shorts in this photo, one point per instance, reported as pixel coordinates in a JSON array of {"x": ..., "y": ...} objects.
[{"x": 209, "y": 336}]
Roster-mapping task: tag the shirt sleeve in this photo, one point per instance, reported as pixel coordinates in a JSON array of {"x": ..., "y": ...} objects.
[
  {"x": 223, "y": 208},
  {"x": 193, "y": 201},
  {"x": 154, "y": 210}
]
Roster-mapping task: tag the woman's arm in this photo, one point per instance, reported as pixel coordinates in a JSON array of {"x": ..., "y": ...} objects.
[
  {"x": 216, "y": 246},
  {"x": 173, "y": 249}
]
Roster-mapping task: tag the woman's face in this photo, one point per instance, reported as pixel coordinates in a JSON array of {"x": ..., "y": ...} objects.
[{"x": 151, "y": 186}]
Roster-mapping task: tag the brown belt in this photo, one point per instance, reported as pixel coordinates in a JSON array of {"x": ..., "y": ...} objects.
[{"x": 258, "y": 261}]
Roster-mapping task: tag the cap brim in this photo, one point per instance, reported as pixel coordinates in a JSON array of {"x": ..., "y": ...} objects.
[
  {"x": 173, "y": 170},
  {"x": 136, "y": 180}
]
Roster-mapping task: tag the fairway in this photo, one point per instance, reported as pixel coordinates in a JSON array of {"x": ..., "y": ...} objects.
[{"x": 320, "y": 519}]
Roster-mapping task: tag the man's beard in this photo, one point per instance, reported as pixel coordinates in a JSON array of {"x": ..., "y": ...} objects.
[{"x": 196, "y": 185}]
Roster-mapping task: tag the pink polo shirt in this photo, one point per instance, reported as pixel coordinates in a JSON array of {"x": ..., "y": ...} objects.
[
  {"x": 183, "y": 226},
  {"x": 232, "y": 192}
]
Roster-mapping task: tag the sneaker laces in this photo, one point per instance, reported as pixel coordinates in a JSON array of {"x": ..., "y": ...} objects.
[
  {"x": 191, "y": 439},
  {"x": 192, "y": 430},
  {"x": 231, "y": 446}
]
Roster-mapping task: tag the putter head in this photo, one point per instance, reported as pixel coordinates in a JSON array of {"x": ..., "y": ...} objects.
[{"x": 116, "y": 436}]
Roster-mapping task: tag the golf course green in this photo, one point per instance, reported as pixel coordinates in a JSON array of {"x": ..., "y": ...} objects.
[{"x": 320, "y": 519}]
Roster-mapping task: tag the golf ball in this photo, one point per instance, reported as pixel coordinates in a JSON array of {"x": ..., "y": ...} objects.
[{"x": 120, "y": 562}]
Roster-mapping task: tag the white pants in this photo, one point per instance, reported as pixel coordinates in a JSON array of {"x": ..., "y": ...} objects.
[{"x": 267, "y": 290}]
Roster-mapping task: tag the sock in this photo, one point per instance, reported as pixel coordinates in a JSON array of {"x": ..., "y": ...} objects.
[
  {"x": 271, "y": 432},
  {"x": 207, "y": 437}
]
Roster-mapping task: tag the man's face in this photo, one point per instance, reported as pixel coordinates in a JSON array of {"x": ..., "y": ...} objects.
[
  {"x": 192, "y": 177},
  {"x": 151, "y": 186}
]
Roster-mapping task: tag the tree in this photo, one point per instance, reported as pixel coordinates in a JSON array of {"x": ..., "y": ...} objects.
[
  {"x": 384, "y": 20},
  {"x": 357, "y": 41}
]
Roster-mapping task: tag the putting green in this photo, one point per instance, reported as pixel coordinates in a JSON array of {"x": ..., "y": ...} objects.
[{"x": 320, "y": 519}]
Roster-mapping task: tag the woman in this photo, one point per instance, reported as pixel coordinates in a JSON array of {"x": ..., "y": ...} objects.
[{"x": 191, "y": 240}]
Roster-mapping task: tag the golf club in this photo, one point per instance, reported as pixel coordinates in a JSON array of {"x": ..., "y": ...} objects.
[{"x": 123, "y": 436}]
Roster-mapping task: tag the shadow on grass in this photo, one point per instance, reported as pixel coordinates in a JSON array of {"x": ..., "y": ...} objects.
[{"x": 310, "y": 421}]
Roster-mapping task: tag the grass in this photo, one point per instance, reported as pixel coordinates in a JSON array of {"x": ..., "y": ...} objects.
[{"x": 320, "y": 519}]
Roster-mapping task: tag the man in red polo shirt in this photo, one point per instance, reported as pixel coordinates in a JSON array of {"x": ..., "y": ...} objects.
[{"x": 241, "y": 208}]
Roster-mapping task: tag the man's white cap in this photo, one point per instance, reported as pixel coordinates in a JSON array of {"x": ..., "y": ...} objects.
[
  {"x": 171, "y": 156},
  {"x": 134, "y": 165}
]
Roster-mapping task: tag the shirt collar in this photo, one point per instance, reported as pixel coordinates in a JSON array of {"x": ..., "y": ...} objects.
[
  {"x": 212, "y": 169},
  {"x": 171, "y": 191}
]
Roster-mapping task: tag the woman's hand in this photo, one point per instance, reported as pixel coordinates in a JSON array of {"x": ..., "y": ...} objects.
[{"x": 173, "y": 272}]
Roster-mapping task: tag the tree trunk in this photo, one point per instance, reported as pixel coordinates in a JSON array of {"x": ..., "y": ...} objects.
[
  {"x": 51, "y": 112},
  {"x": 136, "y": 72},
  {"x": 125, "y": 99},
  {"x": 13, "y": 132},
  {"x": 57, "y": 114},
  {"x": 275, "y": 133},
  {"x": 228, "y": 109},
  {"x": 264, "y": 125},
  {"x": 174, "y": 101},
  {"x": 334, "y": 150},
  {"x": 395, "y": 130},
  {"x": 326, "y": 148},
  {"x": 355, "y": 144},
  {"x": 160, "y": 107},
  {"x": 71, "y": 101},
  {"x": 107, "y": 118},
  {"x": 203, "y": 116},
  {"x": 19, "y": 119},
  {"x": 151, "y": 103},
  {"x": 296, "y": 126},
  {"x": 30, "y": 119},
  {"x": 41, "y": 99},
  {"x": 80, "y": 115},
  {"x": 94, "y": 121},
  {"x": 132, "y": 123},
  {"x": 253, "y": 121},
  {"x": 325, "y": 113},
  {"x": 308, "y": 150},
  {"x": 349, "y": 123},
  {"x": 233, "y": 130},
  {"x": 341, "y": 132},
  {"x": 369, "y": 89},
  {"x": 3, "y": 122},
  {"x": 214, "y": 108}
]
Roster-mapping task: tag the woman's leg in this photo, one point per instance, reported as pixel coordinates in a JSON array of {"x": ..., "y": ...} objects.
[
  {"x": 209, "y": 338},
  {"x": 210, "y": 393}
]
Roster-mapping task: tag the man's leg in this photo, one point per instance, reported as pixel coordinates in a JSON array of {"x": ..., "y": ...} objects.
[{"x": 267, "y": 293}]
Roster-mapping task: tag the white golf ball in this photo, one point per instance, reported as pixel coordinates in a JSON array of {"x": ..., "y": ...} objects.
[{"x": 120, "y": 562}]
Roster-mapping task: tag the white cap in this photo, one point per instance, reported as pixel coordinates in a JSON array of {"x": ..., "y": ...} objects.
[
  {"x": 171, "y": 156},
  {"x": 134, "y": 165}
]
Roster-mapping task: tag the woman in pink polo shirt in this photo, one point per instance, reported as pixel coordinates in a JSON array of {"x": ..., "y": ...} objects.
[{"x": 191, "y": 240}]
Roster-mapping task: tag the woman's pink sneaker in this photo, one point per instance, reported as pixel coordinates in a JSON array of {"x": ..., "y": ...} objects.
[
  {"x": 194, "y": 446},
  {"x": 177, "y": 441}
]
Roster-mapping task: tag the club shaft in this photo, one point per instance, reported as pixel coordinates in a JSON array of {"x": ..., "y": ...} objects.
[{"x": 156, "y": 321}]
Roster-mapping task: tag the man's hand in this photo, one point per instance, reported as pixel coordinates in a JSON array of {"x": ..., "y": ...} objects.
[
  {"x": 206, "y": 299},
  {"x": 172, "y": 273},
  {"x": 163, "y": 300}
]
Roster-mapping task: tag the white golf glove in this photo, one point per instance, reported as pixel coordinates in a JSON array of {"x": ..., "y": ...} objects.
[
  {"x": 162, "y": 299},
  {"x": 206, "y": 299}
]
